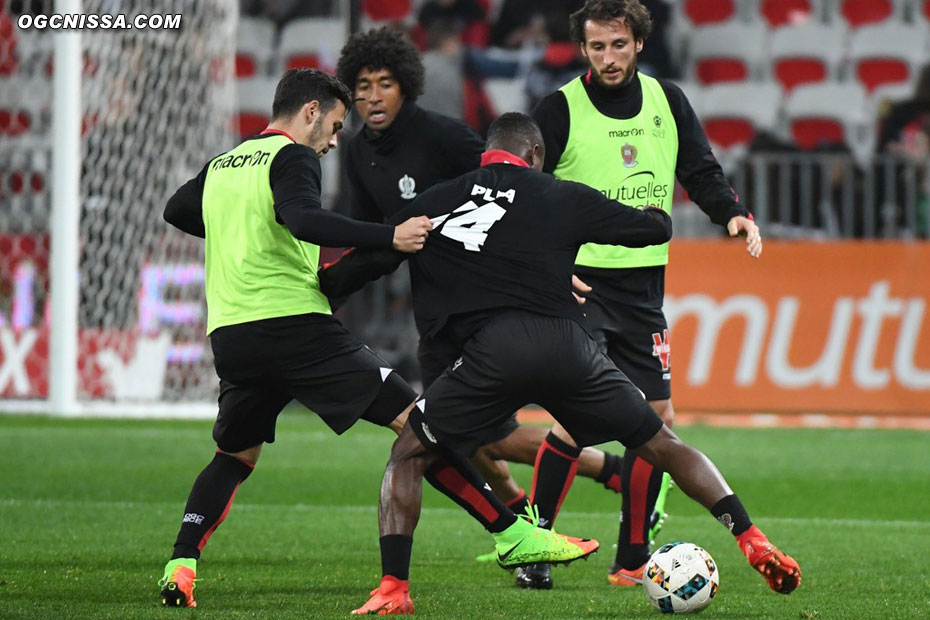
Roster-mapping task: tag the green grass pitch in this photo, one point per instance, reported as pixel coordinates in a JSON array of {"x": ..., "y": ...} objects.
[{"x": 89, "y": 510}]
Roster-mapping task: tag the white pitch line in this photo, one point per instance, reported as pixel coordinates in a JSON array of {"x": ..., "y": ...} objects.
[{"x": 329, "y": 508}]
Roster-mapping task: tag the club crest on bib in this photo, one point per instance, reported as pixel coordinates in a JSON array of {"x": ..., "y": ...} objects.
[
  {"x": 628, "y": 152},
  {"x": 407, "y": 186}
]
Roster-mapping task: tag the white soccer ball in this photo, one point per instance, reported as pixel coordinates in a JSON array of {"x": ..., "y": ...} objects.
[{"x": 680, "y": 578}]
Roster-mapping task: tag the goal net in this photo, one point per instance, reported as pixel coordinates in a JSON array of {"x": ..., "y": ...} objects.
[{"x": 155, "y": 105}]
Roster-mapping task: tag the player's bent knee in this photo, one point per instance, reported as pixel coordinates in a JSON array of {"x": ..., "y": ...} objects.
[
  {"x": 490, "y": 467},
  {"x": 407, "y": 445},
  {"x": 664, "y": 410},
  {"x": 397, "y": 424},
  {"x": 559, "y": 431},
  {"x": 660, "y": 450},
  {"x": 248, "y": 456}
]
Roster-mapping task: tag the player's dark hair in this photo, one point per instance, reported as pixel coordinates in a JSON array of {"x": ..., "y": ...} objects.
[
  {"x": 382, "y": 48},
  {"x": 513, "y": 132},
  {"x": 303, "y": 85},
  {"x": 631, "y": 11}
]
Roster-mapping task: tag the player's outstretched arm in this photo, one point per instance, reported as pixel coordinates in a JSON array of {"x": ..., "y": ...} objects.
[
  {"x": 184, "y": 209},
  {"x": 356, "y": 268},
  {"x": 411, "y": 235},
  {"x": 740, "y": 226}
]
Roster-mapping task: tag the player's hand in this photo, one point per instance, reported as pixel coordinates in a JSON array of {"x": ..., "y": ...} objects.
[
  {"x": 579, "y": 288},
  {"x": 740, "y": 226},
  {"x": 411, "y": 235}
]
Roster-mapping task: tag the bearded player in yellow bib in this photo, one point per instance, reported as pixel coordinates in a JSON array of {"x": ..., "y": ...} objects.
[{"x": 629, "y": 136}]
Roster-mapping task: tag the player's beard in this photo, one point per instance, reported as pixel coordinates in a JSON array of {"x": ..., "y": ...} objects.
[
  {"x": 316, "y": 130},
  {"x": 627, "y": 76}
]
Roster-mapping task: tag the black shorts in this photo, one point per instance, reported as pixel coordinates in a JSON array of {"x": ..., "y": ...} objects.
[
  {"x": 437, "y": 354},
  {"x": 312, "y": 358},
  {"x": 636, "y": 339},
  {"x": 521, "y": 358}
]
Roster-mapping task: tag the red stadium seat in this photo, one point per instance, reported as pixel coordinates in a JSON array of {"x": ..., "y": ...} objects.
[
  {"x": 14, "y": 122},
  {"x": 303, "y": 60},
  {"x": 703, "y": 12},
  {"x": 791, "y": 72},
  {"x": 245, "y": 66},
  {"x": 726, "y": 52},
  {"x": 874, "y": 72},
  {"x": 311, "y": 42},
  {"x": 812, "y": 133},
  {"x": 9, "y": 63},
  {"x": 255, "y": 44},
  {"x": 807, "y": 53},
  {"x": 729, "y": 132},
  {"x": 825, "y": 114},
  {"x": 715, "y": 70},
  {"x": 255, "y": 96},
  {"x": 925, "y": 9},
  {"x": 387, "y": 10},
  {"x": 250, "y": 123},
  {"x": 777, "y": 13},
  {"x": 861, "y": 12},
  {"x": 733, "y": 114},
  {"x": 886, "y": 53}
]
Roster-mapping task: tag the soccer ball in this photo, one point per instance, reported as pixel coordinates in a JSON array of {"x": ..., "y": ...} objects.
[{"x": 680, "y": 578}]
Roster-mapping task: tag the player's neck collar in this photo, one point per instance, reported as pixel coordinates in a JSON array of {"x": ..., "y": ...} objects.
[
  {"x": 600, "y": 91},
  {"x": 497, "y": 156},
  {"x": 279, "y": 132}
]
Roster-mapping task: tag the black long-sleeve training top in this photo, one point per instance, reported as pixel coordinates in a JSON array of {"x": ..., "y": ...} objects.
[
  {"x": 696, "y": 169},
  {"x": 419, "y": 149},
  {"x": 294, "y": 177},
  {"x": 502, "y": 238}
]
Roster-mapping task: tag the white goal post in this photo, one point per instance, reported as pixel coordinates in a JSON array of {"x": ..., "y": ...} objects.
[{"x": 101, "y": 303}]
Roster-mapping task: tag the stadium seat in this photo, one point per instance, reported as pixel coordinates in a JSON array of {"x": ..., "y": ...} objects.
[
  {"x": 254, "y": 111},
  {"x": 778, "y": 13},
  {"x": 254, "y": 46},
  {"x": 387, "y": 10},
  {"x": 33, "y": 52},
  {"x": 886, "y": 53},
  {"x": 729, "y": 52},
  {"x": 734, "y": 113},
  {"x": 706, "y": 12},
  {"x": 807, "y": 53},
  {"x": 311, "y": 42},
  {"x": 9, "y": 63},
  {"x": 24, "y": 108},
  {"x": 824, "y": 114},
  {"x": 859, "y": 13},
  {"x": 694, "y": 92},
  {"x": 506, "y": 94},
  {"x": 922, "y": 11}
]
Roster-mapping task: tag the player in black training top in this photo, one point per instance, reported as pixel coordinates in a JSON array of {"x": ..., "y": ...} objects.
[
  {"x": 652, "y": 133},
  {"x": 495, "y": 275},
  {"x": 401, "y": 151}
]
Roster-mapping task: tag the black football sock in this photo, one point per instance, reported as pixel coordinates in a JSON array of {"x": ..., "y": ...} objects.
[
  {"x": 464, "y": 486},
  {"x": 732, "y": 514},
  {"x": 556, "y": 464},
  {"x": 641, "y": 484},
  {"x": 395, "y": 556},
  {"x": 610, "y": 475},
  {"x": 518, "y": 504},
  {"x": 209, "y": 502}
]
